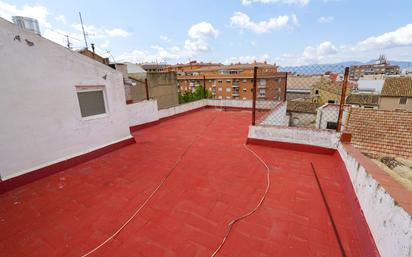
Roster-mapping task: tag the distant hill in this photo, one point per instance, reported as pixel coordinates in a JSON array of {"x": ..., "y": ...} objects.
[{"x": 334, "y": 67}]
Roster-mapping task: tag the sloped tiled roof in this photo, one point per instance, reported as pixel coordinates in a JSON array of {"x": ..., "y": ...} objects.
[
  {"x": 397, "y": 86},
  {"x": 334, "y": 87},
  {"x": 379, "y": 132},
  {"x": 363, "y": 99},
  {"x": 301, "y": 106},
  {"x": 302, "y": 82}
]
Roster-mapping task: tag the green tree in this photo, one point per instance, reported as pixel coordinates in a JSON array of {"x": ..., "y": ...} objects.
[{"x": 190, "y": 96}]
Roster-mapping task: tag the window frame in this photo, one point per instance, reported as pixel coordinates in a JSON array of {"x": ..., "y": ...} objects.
[
  {"x": 403, "y": 98},
  {"x": 92, "y": 88}
]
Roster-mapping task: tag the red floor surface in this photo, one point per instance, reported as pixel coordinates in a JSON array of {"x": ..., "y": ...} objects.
[{"x": 217, "y": 179}]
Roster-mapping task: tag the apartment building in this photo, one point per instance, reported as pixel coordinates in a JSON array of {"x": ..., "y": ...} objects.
[
  {"x": 396, "y": 94},
  {"x": 193, "y": 65},
  {"x": 236, "y": 81},
  {"x": 381, "y": 67},
  {"x": 155, "y": 67}
]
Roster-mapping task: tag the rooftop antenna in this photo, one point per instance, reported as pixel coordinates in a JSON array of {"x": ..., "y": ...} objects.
[{"x": 84, "y": 33}]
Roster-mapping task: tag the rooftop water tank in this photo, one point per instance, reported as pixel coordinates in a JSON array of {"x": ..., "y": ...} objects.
[{"x": 27, "y": 23}]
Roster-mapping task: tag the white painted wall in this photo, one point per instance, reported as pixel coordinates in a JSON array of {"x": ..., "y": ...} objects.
[
  {"x": 323, "y": 138},
  {"x": 390, "y": 225},
  {"x": 277, "y": 116},
  {"x": 327, "y": 114},
  {"x": 181, "y": 108},
  {"x": 39, "y": 110},
  {"x": 142, "y": 112}
]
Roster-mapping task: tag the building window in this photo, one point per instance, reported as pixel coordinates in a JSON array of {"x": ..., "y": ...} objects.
[
  {"x": 244, "y": 90},
  {"x": 331, "y": 125},
  {"x": 210, "y": 80},
  {"x": 316, "y": 92},
  {"x": 403, "y": 99},
  {"x": 227, "y": 89},
  {"x": 219, "y": 81},
  {"x": 331, "y": 101},
  {"x": 228, "y": 81},
  {"x": 91, "y": 101},
  {"x": 244, "y": 81},
  {"x": 220, "y": 89}
]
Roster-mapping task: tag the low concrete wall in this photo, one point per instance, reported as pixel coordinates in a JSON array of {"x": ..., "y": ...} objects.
[
  {"x": 389, "y": 223},
  {"x": 229, "y": 103},
  {"x": 277, "y": 116},
  {"x": 306, "y": 136},
  {"x": 142, "y": 112},
  {"x": 181, "y": 108}
]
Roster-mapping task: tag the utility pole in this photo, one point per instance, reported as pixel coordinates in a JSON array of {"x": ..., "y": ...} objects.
[
  {"x": 342, "y": 99},
  {"x": 254, "y": 96},
  {"x": 84, "y": 33}
]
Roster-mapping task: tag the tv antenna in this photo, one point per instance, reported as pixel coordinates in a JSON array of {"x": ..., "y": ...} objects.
[{"x": 84, "y": 33}]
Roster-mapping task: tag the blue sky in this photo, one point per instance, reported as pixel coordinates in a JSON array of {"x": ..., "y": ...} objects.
[{"x": 288, "y": 32}]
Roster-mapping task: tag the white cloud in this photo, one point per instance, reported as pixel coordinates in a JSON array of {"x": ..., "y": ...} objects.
[
  {"x": 95, "y": 32},
  {"x": 396, "y": 44},
  {"x": 296, "y": 2},
  {"x": 199, "y": 34},
  {"x": 400, "y": 37},
  {"x": 202, "y": 30},
  {"x": 197, "y": 42},
  {"x": 165, "y": 39},
  {"x": 246, "y": 59},
  {"x": 117, "y": 32},
  {"x": 242, "y": 21},
  {"x": 324, "y": 19},
  {"x": 61, "y": 18},
  {"x": 253, "y": 43},
  {"x": 37, "y": 12},
  {"x": 105, "y": 44}
]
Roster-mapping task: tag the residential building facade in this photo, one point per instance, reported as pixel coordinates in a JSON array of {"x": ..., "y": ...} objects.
[
  {"x": 193, "y": 65},
  {"x": 236, "y": 81},
  {"x": 327, "y": 91},
  {"x": 396, "y": 94},
  {"x": 381, "y": 67},
  {"x": 299, "y": 86}
]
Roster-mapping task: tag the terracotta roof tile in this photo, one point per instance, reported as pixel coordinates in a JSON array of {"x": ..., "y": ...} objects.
[
  {"x": 379, "y": 132},
  {"x": 301, "y": 106},
  {"x": 397, "y": 86},
  {"x": 361, "y": 99}
]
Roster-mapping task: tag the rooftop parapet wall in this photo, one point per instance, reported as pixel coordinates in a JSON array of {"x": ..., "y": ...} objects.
[{"x": 386, "y": 206}]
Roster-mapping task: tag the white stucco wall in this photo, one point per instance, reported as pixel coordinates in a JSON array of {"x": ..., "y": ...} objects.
[
  {"x": 181, "y": 108},
  {"x": 142, "y": 112},
  {"x": 327, "y": 114},
  {"x": 390, "y": 225},
  {"x": 323, "y": 138},
  {"x": 39, "y": 110},
  {"x": 277, "y": 116}
]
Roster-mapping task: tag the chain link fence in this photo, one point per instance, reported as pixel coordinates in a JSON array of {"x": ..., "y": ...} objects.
[{"x": 311, "y": 97}]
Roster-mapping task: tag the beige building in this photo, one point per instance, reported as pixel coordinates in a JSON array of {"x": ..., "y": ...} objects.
[
  {"x": 161, "y": 86},
  {"x": 299, "y": 86},
  {"x": 326, "y": 91},
  {"x": 396, "y": 94}
]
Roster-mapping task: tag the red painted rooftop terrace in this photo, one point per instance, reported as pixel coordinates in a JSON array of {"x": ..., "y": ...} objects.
[{"x": 212, "y": 179}]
